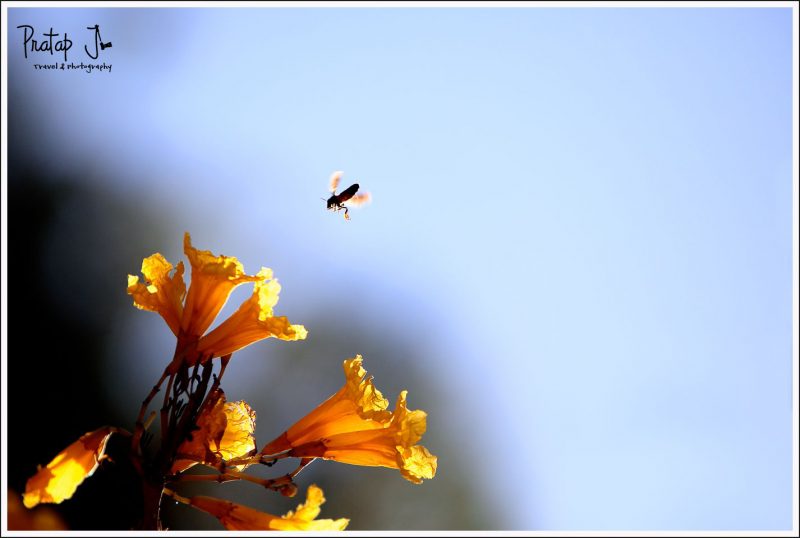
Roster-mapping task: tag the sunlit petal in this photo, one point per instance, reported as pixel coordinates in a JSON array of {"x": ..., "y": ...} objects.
[
  {"x": 62, "y": 476},
  {"x": 238, "y": 517},
  {"x": 159, "y": 292},
  {"x": 226, "y": 431}
]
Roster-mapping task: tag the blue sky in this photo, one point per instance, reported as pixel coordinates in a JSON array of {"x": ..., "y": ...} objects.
[{"x": 583, "y": 216}]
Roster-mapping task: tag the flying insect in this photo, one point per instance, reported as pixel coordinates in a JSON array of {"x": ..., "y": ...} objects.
[{"x": 348, "y": 196}]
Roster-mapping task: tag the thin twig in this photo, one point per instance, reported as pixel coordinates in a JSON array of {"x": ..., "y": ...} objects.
[
  {"x": 168, "y": 402},
  {"x": 139, "y": 429},
  {"x": 215, "y": 385}
]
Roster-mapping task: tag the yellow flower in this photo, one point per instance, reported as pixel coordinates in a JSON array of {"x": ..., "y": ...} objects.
[
  {"x": 353, "y": 426},
  {"x": 62, "y": 476},
  {"x": 226, "y": 431},
  {"x": 358, "y": 405},
  {"x": 212, "y": 280},
  {"x": 253, "y": 321},
  {"x": 242, "y": 518}
]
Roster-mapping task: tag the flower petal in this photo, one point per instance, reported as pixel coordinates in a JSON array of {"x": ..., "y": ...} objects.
[
  {"x": 62, "y": 476},
  {"x": 410, "y": 425},
  {"x": 369, "y": 448},
  {"x": 160, "y": 292},
  {"x": 238, "y": 517},
  {"x": 416, "y": 463},
  {"x": 226, "y": 431},
  {"x": 304, "y": 518}
]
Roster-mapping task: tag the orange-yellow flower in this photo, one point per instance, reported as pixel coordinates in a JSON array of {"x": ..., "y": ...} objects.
[
  {"x": 353, "y": 426},
  {"x": 242, "y": 518},
  {"x": 253, "y": 321},
  {"x": 226, "y": 431},
  {"x": 62, "y": 476},
  {"x": 358, "y": 405},
  {"x": 212, "y": 280}
]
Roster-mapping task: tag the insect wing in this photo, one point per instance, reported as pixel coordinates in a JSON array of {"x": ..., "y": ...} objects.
[
  {"x": 359, "y": 199},
  {"x": 348, "y": 193},
  {"x": 335, "y": 178}
]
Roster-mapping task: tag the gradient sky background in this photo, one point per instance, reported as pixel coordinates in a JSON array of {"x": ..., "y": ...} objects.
[{"x": 581, "y": 223}]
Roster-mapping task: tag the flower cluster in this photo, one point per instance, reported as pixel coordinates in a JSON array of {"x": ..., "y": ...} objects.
[{"x": 200, "y": 427}]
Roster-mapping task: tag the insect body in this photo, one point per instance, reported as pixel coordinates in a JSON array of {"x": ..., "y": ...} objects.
[{"x": 348, "y": 196}]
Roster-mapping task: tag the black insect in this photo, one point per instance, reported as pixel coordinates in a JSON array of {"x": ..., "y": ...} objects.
[{"x": 348, "y": 196}]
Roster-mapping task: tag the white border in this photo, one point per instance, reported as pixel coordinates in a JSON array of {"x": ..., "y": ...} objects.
[
  {"x": 396, "y": 4},
  {"x": 795, "y": 271},
  {"x": 4, "y": 264}
]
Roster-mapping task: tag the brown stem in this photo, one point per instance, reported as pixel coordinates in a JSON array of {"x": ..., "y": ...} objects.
[
  {"x": 174, "y": 430},
  {"x": 180, "y": 431},
  {"x": 215, "y": 385},
  {"x": 229, "y": 475},
  {"x": 139, "y": 430},
  {"x": 165, "y": 409}
]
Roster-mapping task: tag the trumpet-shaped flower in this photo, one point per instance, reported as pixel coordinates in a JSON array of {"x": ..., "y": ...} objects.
[
  {"x": 253, "y": 321},
  {"x": 62, "y": 476},
  {"x": 212, "y": 280},
  {"x": 358, "y": 405},
  {"x": 353, "y": 426},
  {"x": 237, "y": 517},
  {"x": 226, "y": 431}
]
